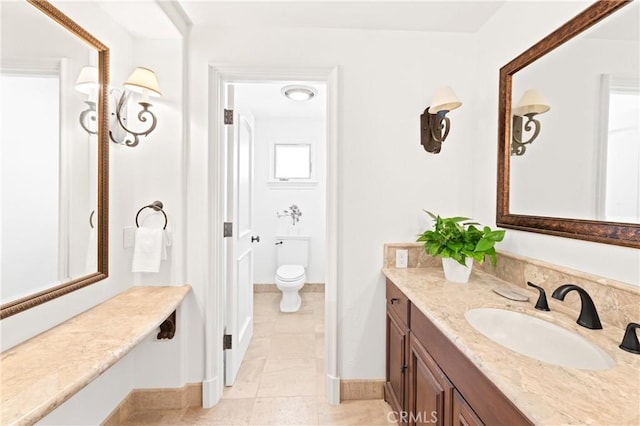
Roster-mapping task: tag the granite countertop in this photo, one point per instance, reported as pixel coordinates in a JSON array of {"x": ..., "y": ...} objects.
[
  {"x": 46, "y": 370},
  {"x": 547, "y": 394}
]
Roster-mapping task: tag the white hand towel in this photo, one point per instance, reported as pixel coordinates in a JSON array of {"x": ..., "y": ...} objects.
[{"x": 147, "y": 250}]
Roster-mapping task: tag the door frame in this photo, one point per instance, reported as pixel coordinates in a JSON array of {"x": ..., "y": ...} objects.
[{"x": 213, "y": 383}]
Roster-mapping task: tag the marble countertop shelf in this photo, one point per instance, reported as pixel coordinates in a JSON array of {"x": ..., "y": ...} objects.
[
  {"x": 46, "y": 370},
  {"x": 547, "y": 394}
]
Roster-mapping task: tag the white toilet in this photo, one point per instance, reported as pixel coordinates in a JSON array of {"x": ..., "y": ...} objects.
[{"x": 293, "y": 257}]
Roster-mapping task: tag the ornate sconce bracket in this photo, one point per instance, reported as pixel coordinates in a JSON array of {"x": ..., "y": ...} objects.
[
  {"x": 168, "y": 327},
  {"x": 434, "y": 129}
]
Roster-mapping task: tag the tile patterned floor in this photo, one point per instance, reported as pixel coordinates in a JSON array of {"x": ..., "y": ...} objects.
[{"x": 281, "y": 379}]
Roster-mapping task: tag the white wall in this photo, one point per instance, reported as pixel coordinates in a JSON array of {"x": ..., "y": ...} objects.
[
  {"x": 138, "y": 176},
  {"x": 29, "y": 226},
  {"x": 506, "y": 35},
  {"x": 56, "y": 216},
  {"x": 269, "y": 198},
  {"x": 24, "y": 325},
  {"x": 557, "y": 174},
  {"x": 386, "y": 179},
  {"x": 385, "y": 176}
]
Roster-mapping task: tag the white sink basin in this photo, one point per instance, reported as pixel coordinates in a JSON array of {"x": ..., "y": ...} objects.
[{"x": 538, "y": 339}]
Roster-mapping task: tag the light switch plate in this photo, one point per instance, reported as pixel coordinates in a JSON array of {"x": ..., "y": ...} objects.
[{"x": 402, "y": 258}]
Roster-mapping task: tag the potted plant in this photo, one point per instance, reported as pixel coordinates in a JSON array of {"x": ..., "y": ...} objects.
[{"x": 459, "y": 242}]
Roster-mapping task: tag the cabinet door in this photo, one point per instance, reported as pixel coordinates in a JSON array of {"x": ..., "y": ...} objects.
[
  {"x": 463, "y": 415},
  {"x": 395, "y": 387},
  {"x": 430, "y": 392}
]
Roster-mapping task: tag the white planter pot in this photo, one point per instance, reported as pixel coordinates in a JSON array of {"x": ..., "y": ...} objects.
[{"x": 455, "y": 272}]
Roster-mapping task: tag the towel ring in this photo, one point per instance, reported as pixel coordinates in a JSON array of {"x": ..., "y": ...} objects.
[
  {"x": 93, "y": 212},
  {"x": 157, "y": 206}
]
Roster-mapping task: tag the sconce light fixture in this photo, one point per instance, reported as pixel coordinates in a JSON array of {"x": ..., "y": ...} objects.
[
  {"x": 87, "y": 83},
  {"x": 531, "y": 104},
  {"x": 434, "y": 123},
  {"x": 142, "y": 81}
]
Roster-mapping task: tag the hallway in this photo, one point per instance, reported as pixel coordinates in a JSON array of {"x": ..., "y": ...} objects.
[{"x": 280, "y": 381}]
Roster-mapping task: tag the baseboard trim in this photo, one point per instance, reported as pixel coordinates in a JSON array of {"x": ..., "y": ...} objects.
[
  {"x": 210, "y": 393},
  {"x": 190, "y": 395},
  {"x": 121, "y": 413},
  {"x": 361, "y": 389},
  {"x": 271, "y": 288},
  {"x": 332, "y": 384}
]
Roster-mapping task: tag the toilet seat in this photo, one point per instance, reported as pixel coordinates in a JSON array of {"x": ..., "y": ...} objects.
[{"x": 290, "y": 273}]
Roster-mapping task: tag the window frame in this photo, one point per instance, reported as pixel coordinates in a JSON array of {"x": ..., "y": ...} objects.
[{"x": 292, "y": 182}]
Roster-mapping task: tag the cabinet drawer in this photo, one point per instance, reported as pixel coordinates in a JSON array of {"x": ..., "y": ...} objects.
[{"x": 398, "y": 303}]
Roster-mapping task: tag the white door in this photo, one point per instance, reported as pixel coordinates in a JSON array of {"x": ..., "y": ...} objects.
[{"x": 239, "y": 285}]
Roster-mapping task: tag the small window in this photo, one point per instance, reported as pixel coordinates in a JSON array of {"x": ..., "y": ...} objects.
[{"x": 292, "y": 161}]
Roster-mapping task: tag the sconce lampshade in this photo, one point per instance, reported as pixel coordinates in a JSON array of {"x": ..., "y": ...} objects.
[
  {"x": 143, "y": 79},
  {"x": 532, "y": 101},
  {"x": 444, "y": 100},
  {"x": 87, "y": 80}
]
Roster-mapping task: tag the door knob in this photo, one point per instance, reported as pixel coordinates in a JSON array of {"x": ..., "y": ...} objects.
[{"x": 255, "y": 239}]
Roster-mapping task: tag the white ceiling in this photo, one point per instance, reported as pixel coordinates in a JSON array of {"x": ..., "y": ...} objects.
[
  {"x": 141, "y": 18},
  {"x": 622, "y": 25},
  {"x": 265, "y": 100},
  {"x": 145, "y": 18},
  {"x": 417, "y": 15}
]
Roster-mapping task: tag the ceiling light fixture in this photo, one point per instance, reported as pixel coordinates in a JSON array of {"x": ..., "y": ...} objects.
[{"x": 299, "y": 93}]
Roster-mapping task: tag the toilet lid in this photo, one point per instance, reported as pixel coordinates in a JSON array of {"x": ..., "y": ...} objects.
[{"x": 290, "y": 272}]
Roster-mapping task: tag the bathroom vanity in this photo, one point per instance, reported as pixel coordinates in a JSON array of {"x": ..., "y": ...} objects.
[
  {"x": 440, "y": 370},
  {"x": 427, "y": 384},
  {"x": 48, "y": 369}
]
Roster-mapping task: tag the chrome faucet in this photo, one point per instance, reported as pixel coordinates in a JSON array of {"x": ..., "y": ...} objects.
[{"x": 588, "y": 314}]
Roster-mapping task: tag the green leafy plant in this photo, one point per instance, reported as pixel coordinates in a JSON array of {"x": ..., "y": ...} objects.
[{"x": 458, "y": 238}]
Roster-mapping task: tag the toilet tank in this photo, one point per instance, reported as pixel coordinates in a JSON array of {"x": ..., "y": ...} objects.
[{"x": 294, "y": 250}]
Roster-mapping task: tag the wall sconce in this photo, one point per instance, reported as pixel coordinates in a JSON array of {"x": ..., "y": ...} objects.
[
  {"x": 87, "y": 83},
  {"x": 434, "y": 123},
  {"x": 143, "y": 81},
  {"x": 531, "y": 104}
]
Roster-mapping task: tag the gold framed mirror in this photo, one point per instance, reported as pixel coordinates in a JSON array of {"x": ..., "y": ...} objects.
[
  {"x": 517, "y": 208},
  {"x": 55, "y": 157}
]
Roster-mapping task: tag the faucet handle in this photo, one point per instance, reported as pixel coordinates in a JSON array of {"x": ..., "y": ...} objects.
[
  {"x": 541, "y": 304},
  {"x": 630, "y": 341}
]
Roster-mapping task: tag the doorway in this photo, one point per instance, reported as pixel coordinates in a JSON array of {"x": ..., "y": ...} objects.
[
  {"x": 276, "y": 186},
  {"x": 216, "y": 301}
]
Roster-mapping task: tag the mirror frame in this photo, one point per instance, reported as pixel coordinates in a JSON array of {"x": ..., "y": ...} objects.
[
  {"x": 102, "y": 208},
  {"x": 617, "y": 233}
]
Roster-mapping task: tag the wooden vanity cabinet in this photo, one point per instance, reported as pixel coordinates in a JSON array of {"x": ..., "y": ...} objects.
[
  {"x": 441, "y": 386},
  {"x": 463, "y": 415},
  {"x": 397, "y": 318},
  {"x": 430, "y": 391}
]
